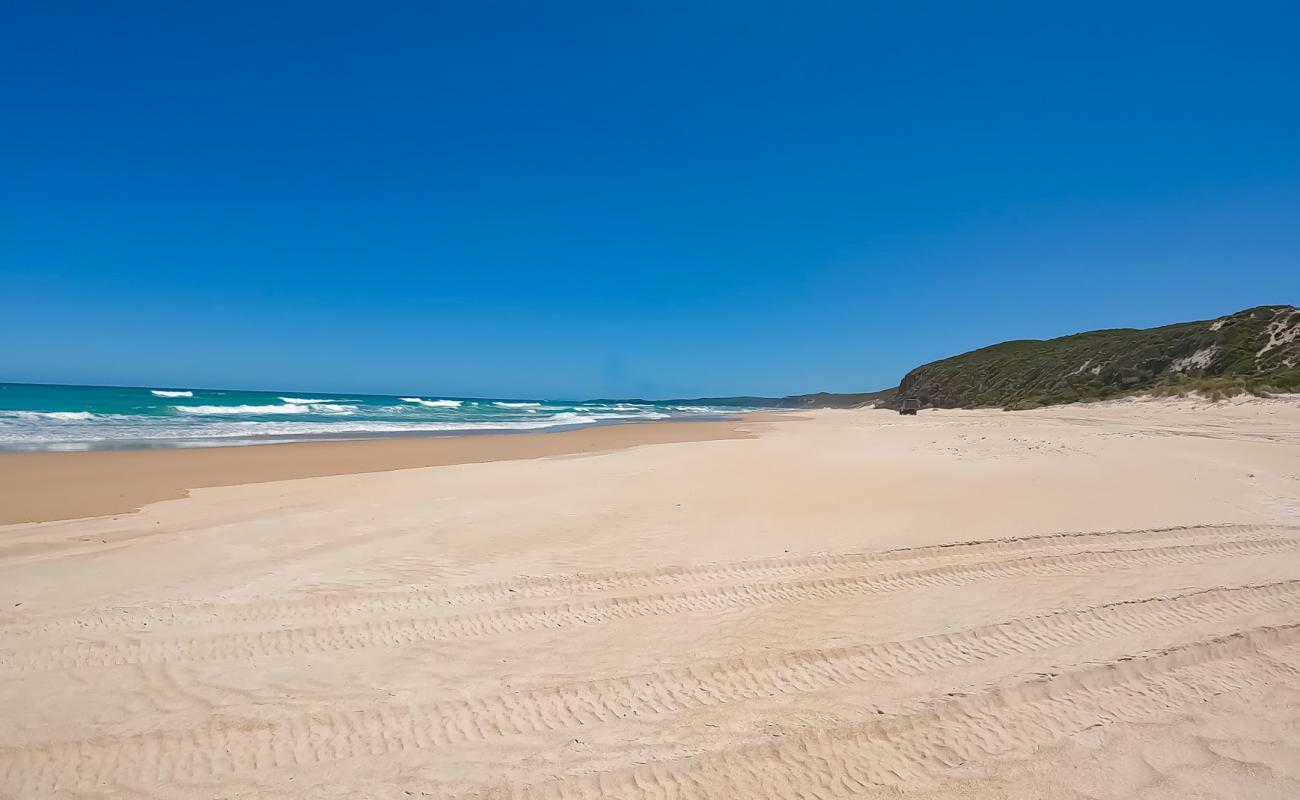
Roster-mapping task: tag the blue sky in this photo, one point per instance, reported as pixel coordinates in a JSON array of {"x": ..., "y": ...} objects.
[{"x": 595, "y": 199}]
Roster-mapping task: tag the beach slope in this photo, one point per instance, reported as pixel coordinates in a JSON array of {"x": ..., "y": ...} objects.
[{"x": 1095, "y": 601}]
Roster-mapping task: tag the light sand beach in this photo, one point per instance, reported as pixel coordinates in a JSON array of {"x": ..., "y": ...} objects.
[{"x": 1090, "y": 601}]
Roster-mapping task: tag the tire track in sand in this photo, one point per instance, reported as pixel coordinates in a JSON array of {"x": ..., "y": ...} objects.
[
  {"x": 415, "y": 599},
  {"x": 915, "y": 749},
  {"x": 400, "y": 632},
  {"x": 230, "y": 747}
]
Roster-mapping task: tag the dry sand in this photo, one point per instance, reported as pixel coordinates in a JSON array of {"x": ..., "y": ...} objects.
[{"x": 1086, "y": 602}]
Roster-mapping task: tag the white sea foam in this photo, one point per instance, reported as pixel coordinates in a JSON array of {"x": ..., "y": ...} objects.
[
  {"x": 305, "y": 401},
  {"x": 284, "y": 409},
  {"x": 500, "y": 404},
  {"x": 58, "y": 416},
  {"x": 38, "y": 430},
  {"x": 602, "y": 407},
  {"x": 570, "y": 417},
  {"x": 169, "y": 393},
  {"x": 287, "y": 408},
  {"x": 433, "y": 403}
]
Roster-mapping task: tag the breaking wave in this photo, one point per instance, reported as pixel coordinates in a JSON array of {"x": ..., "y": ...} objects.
[
  {"x": 287, "y": 408},
  {"x": 433, "y": 403},
  {"x": 170, "y": 393},
  {"x": 58, "y": 416}
]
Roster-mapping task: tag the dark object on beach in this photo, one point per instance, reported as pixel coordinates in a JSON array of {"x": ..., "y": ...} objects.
[{"x": 910, "y": 406}]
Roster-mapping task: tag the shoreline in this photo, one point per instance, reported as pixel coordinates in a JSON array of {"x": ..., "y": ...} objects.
[
  {"x": 35, "y": 486},
  {"x": 362, "y": 435}
]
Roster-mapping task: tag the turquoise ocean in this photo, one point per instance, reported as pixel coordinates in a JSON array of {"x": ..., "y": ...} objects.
[{"x": 46, "y": 417}]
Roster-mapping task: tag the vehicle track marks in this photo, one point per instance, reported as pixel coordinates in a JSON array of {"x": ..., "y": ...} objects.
[
  {"x": 915, "y": 749},
  {"x": 399, "y": 632},
  {"x": 229, "y": 747},
  {"x": 429, "y": 598}
]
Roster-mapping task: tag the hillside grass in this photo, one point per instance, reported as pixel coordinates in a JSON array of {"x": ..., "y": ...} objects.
[{"x": 1107, "y": 364}]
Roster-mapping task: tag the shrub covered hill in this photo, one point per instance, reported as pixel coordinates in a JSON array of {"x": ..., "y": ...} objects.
[{"x": 1256, "y": 350}]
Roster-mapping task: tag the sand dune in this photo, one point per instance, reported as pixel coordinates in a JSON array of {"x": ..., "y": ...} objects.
[{"x": 1097, "y": 601}]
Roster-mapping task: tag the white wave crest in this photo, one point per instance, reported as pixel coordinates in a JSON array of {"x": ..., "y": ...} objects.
[
  {"x": 288, "y": 408},
  {"x": 500, "y": 404},
  {"x": 305, "y": 401},
  {"x": 284, "y": 409},
  {"x": 433, "y": 403},
  {"x": 59, "y": 416},
  {"x": 331, "y": 408},
  {"x": 170, "y": 393},
  {"x": 597, "y": 408}
]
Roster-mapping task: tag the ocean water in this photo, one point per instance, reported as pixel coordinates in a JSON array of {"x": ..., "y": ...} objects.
[{"x": 43, "y": 417}]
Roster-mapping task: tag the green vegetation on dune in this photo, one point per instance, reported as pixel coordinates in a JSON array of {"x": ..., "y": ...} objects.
[{"x": 1256, "y": 350}]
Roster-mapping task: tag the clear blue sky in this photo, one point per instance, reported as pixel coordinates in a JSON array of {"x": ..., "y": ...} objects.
[{"x": 656, "y": 199}]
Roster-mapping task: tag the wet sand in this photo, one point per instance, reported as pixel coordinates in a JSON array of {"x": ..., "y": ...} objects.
[{"x": 38, "y": 487}]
